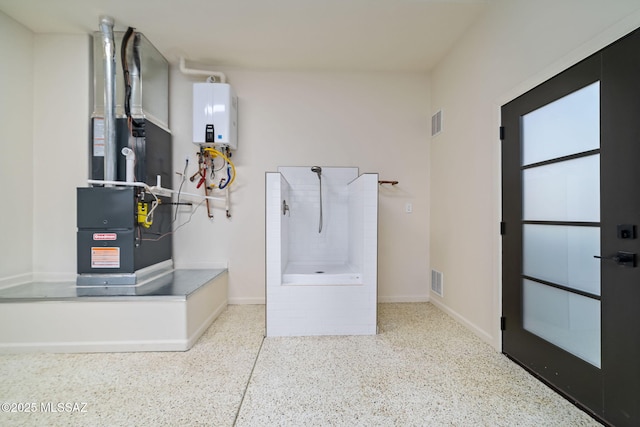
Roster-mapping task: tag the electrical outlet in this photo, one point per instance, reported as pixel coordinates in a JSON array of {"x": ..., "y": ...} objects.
[{"x": 408, "y": 208}]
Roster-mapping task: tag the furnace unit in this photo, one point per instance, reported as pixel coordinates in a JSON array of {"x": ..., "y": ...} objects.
[{"x": 124, "y": 230}]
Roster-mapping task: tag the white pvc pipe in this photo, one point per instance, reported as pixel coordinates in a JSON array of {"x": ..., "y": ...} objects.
[
  {"x": 193, "y": 72},
  {"x": 150, "y": 189},
  {"x": 131, "y": 163},
  {"x": 126, "y": 184},
  {"x": 182, "y": 193}
]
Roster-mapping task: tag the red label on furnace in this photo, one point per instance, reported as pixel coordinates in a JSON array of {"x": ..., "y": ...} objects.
[{"x": 105, "y": 236}]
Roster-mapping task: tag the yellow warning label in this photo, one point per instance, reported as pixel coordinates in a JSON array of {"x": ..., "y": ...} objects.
[{"x": 105, "y": 257}]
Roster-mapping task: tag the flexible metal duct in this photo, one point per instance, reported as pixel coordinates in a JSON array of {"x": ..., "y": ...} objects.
[{"x": 109, "y": 64}]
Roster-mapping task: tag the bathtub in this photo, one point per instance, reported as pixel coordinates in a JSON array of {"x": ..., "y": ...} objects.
[{"x": 320, "y": 274}]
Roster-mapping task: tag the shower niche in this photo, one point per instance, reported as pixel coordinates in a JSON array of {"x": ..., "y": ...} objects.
[{"x": 321, "y": 251}]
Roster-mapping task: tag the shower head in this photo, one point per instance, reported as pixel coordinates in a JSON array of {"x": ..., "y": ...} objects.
[{"x": 317, "y": 169}]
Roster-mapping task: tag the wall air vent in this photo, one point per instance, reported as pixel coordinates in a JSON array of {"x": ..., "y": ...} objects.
[
  {"x": 437, "y": 282},
  {"x": 436, "y": 123}
]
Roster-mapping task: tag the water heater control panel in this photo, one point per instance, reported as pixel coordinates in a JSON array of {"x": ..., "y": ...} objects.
[{"x": 215, "y": 115}]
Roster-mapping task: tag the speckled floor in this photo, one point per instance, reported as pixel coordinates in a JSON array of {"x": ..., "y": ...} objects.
[{"x": 423, "y": 369}]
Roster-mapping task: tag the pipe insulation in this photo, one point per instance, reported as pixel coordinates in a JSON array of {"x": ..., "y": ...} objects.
[{"x": 109, "y": 65}]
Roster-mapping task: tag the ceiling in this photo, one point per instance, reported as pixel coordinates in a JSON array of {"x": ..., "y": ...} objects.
[{"x": 326, "y": 35}]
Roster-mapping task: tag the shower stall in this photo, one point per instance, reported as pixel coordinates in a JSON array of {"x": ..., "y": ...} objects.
[{"x": 321, "y": 251}]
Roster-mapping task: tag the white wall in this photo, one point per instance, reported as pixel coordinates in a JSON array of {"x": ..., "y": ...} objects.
[
  {"x": 515, "y": 46},
  {"x": 43, "y": 154},
  {"x": 306, "y": 244},
  {"x": 16, "y": 135},
  {"x": 378, "y": 122},
  {"x": 60, "y": 146}
]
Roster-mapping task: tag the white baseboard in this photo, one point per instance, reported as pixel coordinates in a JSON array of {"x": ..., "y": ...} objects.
[
  {"x": 482, "y": 334},
  {"x": 246, "y": 301},
  {"x": 381, "y": 299},
  {"x": 402, "y": 298},
  {"x": 18, "y": 279},
  {"x": 95, "y": 346},
  {"x": 186, "y": 265},
  {"x": 54, "y": 277}
]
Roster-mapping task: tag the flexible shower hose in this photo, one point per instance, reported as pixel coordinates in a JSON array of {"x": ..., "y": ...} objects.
[{"x": 320, "y": 226}]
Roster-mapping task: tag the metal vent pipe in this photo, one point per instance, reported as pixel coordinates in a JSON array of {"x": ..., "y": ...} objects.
[{"x": 109, "y": 65}]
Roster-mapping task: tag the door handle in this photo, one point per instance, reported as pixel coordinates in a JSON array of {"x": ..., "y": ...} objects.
[{"x": 627, "y": 259}]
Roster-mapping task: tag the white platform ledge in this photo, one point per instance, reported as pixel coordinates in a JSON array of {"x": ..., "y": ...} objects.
[{"x": 171, "y": 316}]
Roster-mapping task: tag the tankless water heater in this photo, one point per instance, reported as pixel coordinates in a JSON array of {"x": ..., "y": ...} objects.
[{"x": 215, "y": 115}]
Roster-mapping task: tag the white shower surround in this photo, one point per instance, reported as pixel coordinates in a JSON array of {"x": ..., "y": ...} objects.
[{"x": 342, "y": 300}]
